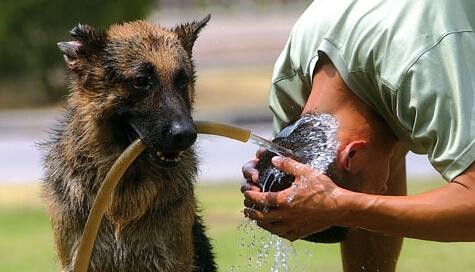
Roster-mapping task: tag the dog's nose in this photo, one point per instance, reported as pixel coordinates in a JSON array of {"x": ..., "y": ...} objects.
[{"x": 181, "y": 135}]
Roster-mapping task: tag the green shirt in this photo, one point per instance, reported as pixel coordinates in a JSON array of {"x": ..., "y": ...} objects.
[{"x": 412, "y": 61}]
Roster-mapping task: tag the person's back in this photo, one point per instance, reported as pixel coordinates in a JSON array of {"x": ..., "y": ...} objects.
[{"x": 413, "y": 62}]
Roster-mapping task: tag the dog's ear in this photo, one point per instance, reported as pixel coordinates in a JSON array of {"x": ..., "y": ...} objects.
[
  {"x": 87, "y": 43},
  {"x": 188, "y": 32}
]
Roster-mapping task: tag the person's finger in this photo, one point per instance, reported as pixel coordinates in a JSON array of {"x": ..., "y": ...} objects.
[
  {"x": 249, "y": 170},
  {"x": 291, "y": 166},
  {"x": 274, "y": 228},
  {"x": 260, "y": 152},
  {"x": 246, "y": 186},
  {"x": 269, "y": 199},
  {"x": 252, "y": 205},
  {"x": 255, "y": 206},
  {"x": 269, "y": 217},
  {"x": 254, "y": 214}
]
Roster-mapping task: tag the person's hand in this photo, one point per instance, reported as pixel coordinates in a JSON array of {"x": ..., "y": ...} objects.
[
  {"x": 308, "y": 206},
  {"x": 250, "y": 173}
]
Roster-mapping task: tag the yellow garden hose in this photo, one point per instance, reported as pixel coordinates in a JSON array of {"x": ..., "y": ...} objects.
[
  {"x": 236, "y": 133},
  {"x": 105, "y": 193},
  {"x": 101, "y": 203}
]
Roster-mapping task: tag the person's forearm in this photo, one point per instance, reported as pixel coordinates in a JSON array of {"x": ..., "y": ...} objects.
[{"x": 446, "y": 214}]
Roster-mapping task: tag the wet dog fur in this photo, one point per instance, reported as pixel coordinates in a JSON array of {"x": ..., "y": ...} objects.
[{"x": 133, "y": 80}]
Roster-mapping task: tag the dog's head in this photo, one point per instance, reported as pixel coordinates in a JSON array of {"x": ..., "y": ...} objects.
[{"x": 136, "y": 80}]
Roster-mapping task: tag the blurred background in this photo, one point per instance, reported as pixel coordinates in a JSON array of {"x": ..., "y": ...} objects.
[{"x": 234, "y": 57}]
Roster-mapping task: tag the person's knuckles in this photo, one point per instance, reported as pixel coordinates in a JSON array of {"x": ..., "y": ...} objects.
[
  {"x": 246, "y": 212},
  {"x": 255, "y": 178},
  {"x": 245, "y": 186},
  {"x": 291, "y": 166},
  {"x": 252, "y": 214},
  {"x": 288, "y": 199},
  {"x": 248, "y": 204},
  {"x": 288, "y": 163},
  {"x": 248, "y": 172},
  {"x": 251, "y": 196},
  {"x": 250, "y": 164}
]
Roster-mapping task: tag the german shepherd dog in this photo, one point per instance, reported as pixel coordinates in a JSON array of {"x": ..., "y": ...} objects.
[{"x": 134, "y": 80}]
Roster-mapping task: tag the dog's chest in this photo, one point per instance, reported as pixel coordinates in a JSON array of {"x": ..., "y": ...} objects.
[
  {"x": 156, "y": 242},
  {"x": 148, "y": 251}
]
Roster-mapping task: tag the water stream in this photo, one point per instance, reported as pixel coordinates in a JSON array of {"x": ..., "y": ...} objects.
[{"x": 271, "y": 146}]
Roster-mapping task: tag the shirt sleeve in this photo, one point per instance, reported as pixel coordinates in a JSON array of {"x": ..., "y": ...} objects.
[
  {"x": 288, "y": 92},
  {"x": 436, "y": 104},
  {"x": 287, "y": 99}
]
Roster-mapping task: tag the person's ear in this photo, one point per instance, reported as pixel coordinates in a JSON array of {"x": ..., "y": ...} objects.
[{"x": 349, "y": 153}]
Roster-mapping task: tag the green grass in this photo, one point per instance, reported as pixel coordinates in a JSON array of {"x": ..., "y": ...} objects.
[
  {"x": 26, "y": 241},
  {"x": 222, "y": 210}
]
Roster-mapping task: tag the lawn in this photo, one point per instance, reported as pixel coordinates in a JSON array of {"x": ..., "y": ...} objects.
[{"x": 26, "y": 241}]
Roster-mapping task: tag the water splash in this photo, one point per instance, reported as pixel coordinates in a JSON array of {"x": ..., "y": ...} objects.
[
  {"x": 264, "y": 250},
  {"x": 313, "y": 140}
]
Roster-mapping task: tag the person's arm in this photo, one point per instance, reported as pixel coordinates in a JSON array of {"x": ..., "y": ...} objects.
[
  {"x": 446, "y": 214},
  {"x": 371, "y": 250}
]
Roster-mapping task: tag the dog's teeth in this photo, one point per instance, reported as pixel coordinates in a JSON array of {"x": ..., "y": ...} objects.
[
  {"x": 163, "y": 158},
  {"x": 159, "y": 154}
]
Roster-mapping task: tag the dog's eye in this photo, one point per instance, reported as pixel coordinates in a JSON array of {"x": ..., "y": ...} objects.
[
  {"x": 181, "y": 80},
  {"x": 142, "y": 83}
]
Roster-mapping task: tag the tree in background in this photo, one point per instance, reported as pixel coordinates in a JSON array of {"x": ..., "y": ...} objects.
[{"x": 30, "y": 29}]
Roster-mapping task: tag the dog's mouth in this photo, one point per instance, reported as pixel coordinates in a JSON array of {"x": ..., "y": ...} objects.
[
  {"x": 165, "y": 159},
  {"x": 169, "y": 159}
]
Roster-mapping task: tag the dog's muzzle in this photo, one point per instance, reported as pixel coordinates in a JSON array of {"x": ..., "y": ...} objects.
[{"x": 168, "y": 140}]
